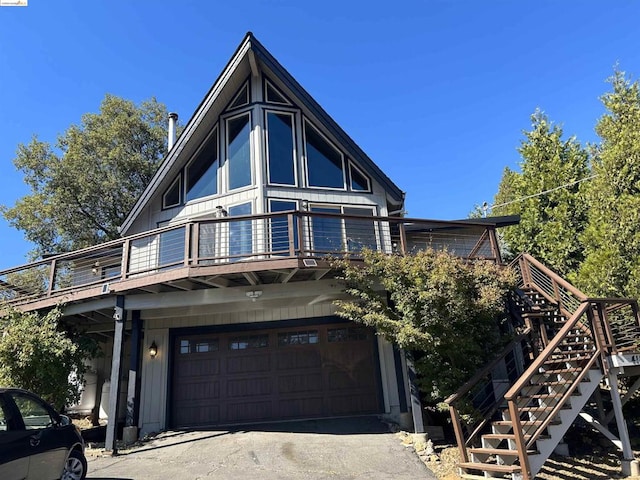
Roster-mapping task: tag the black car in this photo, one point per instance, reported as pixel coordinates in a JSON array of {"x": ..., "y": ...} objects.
[{"x": 37, "y": 443}]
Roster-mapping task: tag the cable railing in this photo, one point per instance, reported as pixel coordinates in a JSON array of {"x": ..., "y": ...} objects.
[
  {"x": 591, "y": 330},
  {"x": 226, "y": 241}
]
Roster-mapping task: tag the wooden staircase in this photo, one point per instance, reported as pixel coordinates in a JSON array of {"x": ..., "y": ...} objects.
[{"x": 552, "y": 368}]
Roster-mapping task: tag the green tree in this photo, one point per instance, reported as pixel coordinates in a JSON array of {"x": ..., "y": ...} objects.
[
  {"x": 547, "y": 195},
  {"x": 612, "y": 239},
  {"x": 82, "y": 190},
  {"x": 434, "y": 303},
  {"x": 38, "y": 354}
]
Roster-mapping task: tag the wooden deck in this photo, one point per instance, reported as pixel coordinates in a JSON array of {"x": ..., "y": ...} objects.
[{"x": 277, "y": 248}]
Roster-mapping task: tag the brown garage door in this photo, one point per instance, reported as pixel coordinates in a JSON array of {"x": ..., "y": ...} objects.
[{"x": 310, "y": 371}]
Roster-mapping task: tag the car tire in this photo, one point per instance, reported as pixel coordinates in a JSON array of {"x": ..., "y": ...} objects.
[{"x": 76, "y": 466}]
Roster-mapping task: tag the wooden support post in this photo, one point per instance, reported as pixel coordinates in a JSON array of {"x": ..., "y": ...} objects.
[
  {"x": 119, "y": 316},
  {"x": 291, "y": 235},
  {"x": 403, "y": 239},
  {"x": 416, "y": 405},
  {"x": 623, "y": 433},
  {"x": 133, "y": 396}
]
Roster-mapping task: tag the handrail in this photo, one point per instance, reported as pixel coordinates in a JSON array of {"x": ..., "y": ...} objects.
[
  {"x": 545, "y": 354},
  {"x": 469, "y": 384},
  {"x": 553, "y": 275},
  {"x": 601, "y": 328}
]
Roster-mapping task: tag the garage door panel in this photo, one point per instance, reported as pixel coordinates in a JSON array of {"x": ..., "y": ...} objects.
[
  {"x": 202, "y": 390},
  {"x": 300, "y": 383},
  {"x": 287, "y": 373},
  {"x": 202, "y": 414},
  {"x": 247, "y": 387},
  {"x": 290, "y": 358},
  {"x": 302, "y": 407},
  {"x": 249, "y": 363},
  {"x": 199, "y": 367},
  {"x": 249, "y": 411}
]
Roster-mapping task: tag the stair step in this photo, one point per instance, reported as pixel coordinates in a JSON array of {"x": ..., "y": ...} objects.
[
  {"x": 501, "y": 436},
  {"x": 524, "y": 423},
  {"x": 490, "y": 467},
  {"x": 469, "y": 476},
  {"x": 562, "y": 370},
  {"x": 494, "y": 451}
]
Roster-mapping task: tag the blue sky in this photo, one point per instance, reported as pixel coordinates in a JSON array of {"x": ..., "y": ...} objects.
[{"x": 436, "y": 92}]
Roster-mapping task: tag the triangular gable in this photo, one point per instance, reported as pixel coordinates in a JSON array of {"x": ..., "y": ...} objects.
[{"x": 250, "y": 56}]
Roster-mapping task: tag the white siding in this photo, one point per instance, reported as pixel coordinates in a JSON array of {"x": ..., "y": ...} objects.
[{"x": 153, "y": 391}]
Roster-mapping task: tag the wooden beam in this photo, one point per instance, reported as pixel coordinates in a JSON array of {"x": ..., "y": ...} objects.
[
  {"x": 147, "y": 301},
  {"x": 119, "y": 316},
  {"x": 321, "y": 273},
  {"x": 252, "y": 278},
  {"x": 133, "y": 388},
  {"x": 288, "y": 276}
]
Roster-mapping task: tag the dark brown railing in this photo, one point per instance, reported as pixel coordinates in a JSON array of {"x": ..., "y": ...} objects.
[
  {"x": 229, "y": 240},
  {"x": 595, "y": 329}
]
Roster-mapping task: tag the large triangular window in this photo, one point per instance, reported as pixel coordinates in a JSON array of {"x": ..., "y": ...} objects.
[
  {"x": 325, "y": 163},
  {"x": 201, "y": 175},
  {"x": 273, "y": 95},
  {"x": 242, "y": 97}
]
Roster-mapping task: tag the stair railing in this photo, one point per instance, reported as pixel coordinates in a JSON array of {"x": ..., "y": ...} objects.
[
  {"x": 552, "y": 286},
  {"x": 474, "y": 404}
]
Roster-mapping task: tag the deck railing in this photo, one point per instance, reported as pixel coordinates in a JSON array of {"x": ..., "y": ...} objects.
[{"x": 229, "y": 240}]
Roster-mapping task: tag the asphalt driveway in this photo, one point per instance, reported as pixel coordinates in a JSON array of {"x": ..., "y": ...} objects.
[{"x": 315, "y": 449}]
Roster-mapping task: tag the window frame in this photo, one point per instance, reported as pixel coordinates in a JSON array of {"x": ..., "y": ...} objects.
[
  {"x": 177, "y": 180},
  {"x": 306, "y": 122},
  {"x": 227, "y": 160},
  {"x": 352, "y": 166},
  {"x": 246, "y": 85},
  {"x": 269, "y": 83},
  {"x": 185, "y": 171},
  {"x": 294, "y": 146}
]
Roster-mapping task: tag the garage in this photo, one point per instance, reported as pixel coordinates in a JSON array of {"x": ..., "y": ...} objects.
[{"x": 298, "y": 371}]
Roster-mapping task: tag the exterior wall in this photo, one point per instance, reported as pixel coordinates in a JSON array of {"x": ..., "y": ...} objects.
[{"x": 156, "y": 371}]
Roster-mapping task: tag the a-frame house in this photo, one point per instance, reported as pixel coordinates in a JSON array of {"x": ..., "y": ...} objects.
[{"x": 216, "y": 305}]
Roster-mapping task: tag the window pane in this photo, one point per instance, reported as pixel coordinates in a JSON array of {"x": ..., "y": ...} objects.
[
  {"x": 202, "y": 172},
  {"x": 171, "y": 248},
  {"x": 240, "y": 232},
  {"x": 274, "y": 96},
  {"x": 239, "y": 151},
  {"x": 4, "y": 417},
  {"x": 34, "y": 414},
  {"x": 280, "y": 148},
  {"x": 326, "y": 231},
  {"x": 280, "y": 227},
  {"x": 324, "y": 162},
  {"x": 249, "y": 341},
  {"x": 359, "y": 182},
  {"x": 360, "y": 233},
  {"x": 298, "y": 338},
  {"x": 242, "y": 97},
  {"x": 185, "y": 346},
  {"x": 347, "y": 334},
  {"x": 172, "y": 195}
]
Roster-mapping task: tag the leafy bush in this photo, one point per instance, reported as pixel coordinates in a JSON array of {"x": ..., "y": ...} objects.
[{"x": 38, "y": 354}]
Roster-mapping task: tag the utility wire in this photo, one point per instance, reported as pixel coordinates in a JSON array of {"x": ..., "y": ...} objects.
[{"x": 543, "y": 193}]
